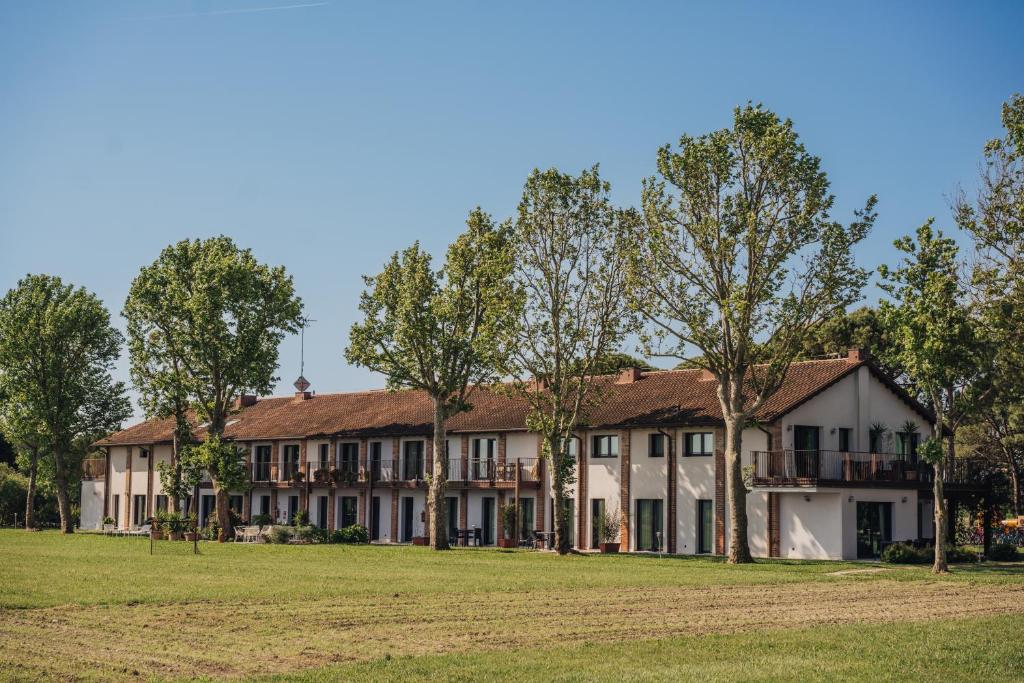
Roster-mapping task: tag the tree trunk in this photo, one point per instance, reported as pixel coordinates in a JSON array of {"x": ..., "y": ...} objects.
[
  {"x": 63, "y": 503},
  {"x": 30, "y": 496},
  {"x": 437, "y": 519},
  {"x": 939, "y": 566},
  {"x": 736, "y": 492},
  {"x": 1015, "y": 487},
  {"x": 558, "y": 482},
  {"x": 223, "y": 512},
  {"x": 172, "y": 499}
]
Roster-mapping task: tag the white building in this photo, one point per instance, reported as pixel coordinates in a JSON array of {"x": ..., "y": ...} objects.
[{"x": 832, "y": 464}]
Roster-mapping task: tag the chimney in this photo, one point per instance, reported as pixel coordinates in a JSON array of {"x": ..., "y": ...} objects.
[
  {"x": 856, "y": 355},
  {"x": 303, "y": 395},
  {"x": 245, "y": 401},
  {"x": 628, "y": 376}
]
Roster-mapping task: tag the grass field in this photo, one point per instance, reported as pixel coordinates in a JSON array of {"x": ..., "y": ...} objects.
[{"x": 94, "y": 608}]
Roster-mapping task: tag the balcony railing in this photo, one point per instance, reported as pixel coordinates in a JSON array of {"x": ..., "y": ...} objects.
[
  {"x": 809, "y": 468},
  {"x": 348, "y": 473},
  {"x": 491, "y": 470},
  {"x": 94, "y": 468}
]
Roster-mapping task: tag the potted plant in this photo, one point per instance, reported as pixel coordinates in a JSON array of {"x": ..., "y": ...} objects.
[
  {"x": 418, "y": 537},
  {"x": 608, "y": 530},
  {"x": 156, "y": 526},
  {"x": 174, "y": 524},
  {"x": 508, "y": 523},
  {"x": 297, "y": 477},
  {"x": 191, "y": 528}
]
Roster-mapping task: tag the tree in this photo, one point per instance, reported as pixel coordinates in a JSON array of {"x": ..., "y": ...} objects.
[
  {"x": 860, "y": 328},
  {"x": 741, "y": 262},
  {"x": 213, "y": 317},
  {"x": 22, "y": 428},
  {"x": 616, "y": 361},
  {"x": 439, "y": 332},
  {"x": 57, "y": 349},
  {"x": 996, "y": 435},
  {"x": 570, "y": 281},
  {"x": 935, "y": 340}
]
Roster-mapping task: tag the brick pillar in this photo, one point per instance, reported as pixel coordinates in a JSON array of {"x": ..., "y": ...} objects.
[
  {"x": 624, "y": 493},
  {"x": 673, "y": 497},
  {"x": 464, "y": 455},
  {"x": 774, "y": 436},
  {"x": 502, "y": 446},
  {"x": 128, "y": 489},
  {"x": 500, "y": 535},
  {"x": 149, "y": 481},
  {"x": 304, "y": 486},
  {"x": 543, "y": 490},
  {"x": 581, "y": 494},
  {"x": 332, "y": 500},
  {"x": 774, "y": 530},
  {"x": 364, "y": 494},
  {"x": 428, "y": 458},
  {"x": 719, "y": 491},
  {"x": 247, "y": 498},
  {"x": 396, "y": 456},
  {"x": 394, "y": 511},
  {"x": 108, "y": 471}
]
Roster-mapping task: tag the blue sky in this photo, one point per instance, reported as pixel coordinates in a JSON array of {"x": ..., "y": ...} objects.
[{"x": 325, "y": 135}]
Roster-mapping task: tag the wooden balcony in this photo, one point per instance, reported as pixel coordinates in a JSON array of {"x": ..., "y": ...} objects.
[
  {"x": 795, "y": 468},
  {"x": 94, "y": 469}
]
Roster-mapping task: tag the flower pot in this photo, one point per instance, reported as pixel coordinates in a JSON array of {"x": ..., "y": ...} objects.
[
  {"x": 156, "y": 535},
  {"x": 608, "y": 547},
  {"x": 175, "y": 535},
  {"x": 420, "y": 540},
  {"x": 506, "y": 543}
]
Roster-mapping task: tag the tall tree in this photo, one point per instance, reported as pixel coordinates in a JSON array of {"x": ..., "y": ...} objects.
[
  {"x": 440, "y": 332},
  {"x": 570, "y": 281},
  {"x": 57, "y": 349},
  {"x": 935, "y": 339},
  {"x": 741, "y": 261},
  {"x": 215, "y": 316},
  {"x": 23, "y": 430}
]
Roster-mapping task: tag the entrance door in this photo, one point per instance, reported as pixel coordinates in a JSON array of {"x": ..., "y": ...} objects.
[
  {"x": 407, "y": 520},
  {"x": 705, "y": 528},
  {"x": 321, "y": 514},
  {"x": 648, "y": 524},
  {"x": 487, "y": 531},
  {"x": 596, "y": 516},
  {"x": 452, "y": 510},
  {"x": 569, "y": 512},
  {"x": 375, "y": 519},
  {"x": 209, "y": 502},
  {"x": 874, "y": 528}
]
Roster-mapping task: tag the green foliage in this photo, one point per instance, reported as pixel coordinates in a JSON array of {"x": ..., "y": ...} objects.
[
  {"x": 57, "y": 350},
  {"x": 280, "y": 534},
  {"x": 959, "y": 555},
  {"x": 1003, "y": 552},
  {"x": 108, "y": 520},
  {"x": 615, "y": 362},
  {"x": 175, "y": 522},
  {"x": 304, "y": 533},
  {"x": 355, "y": 533},
  {"x": 301, "y": 518},
  {"x": 222, "y": 459},
  {"x": 13, "y": 489},
  {"x": 261, "y": 520},
  {"x": 931, "y": 451},
  {"x": 609, "y": 526},
  {"x": 508, "y": 515},
  {"x": 901, "y": 553}
]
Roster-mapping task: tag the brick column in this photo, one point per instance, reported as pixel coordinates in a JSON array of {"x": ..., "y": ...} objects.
[
  {"x": 332, "y": 498},
  {"x": 396, "y": 456},
  {"x": 128, "y": 489},
  {"x": 464, "y": 455},
  {"x": 624, "y": 497},
  {"x": 394, "y": 512},
  {"x": 581, "y": 493},
  {"x": 108, "y": 471},
  {"x": 673, "y": 496},
  {"x": 304, "y": 486},
  {"x": 500, "y": 535},
  {"x": 719, "y": 491},
  {"x": 774, "y": 530},
  {"x": 428, "y": 459},
  {"x": 543, "y": 490},
  {"x": 364, "y": 493},
  {"x": 502, "y": 446},
  {"x": 149, "y": 481}
]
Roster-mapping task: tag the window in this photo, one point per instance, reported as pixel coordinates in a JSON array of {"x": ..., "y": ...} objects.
[
  {"x": 705, "y": 528},
  {"x": 483, "y": 458},
  {"x": 262, "y": 466},
  {"x": 235, "y": 504},
  {"x": 648, "y": 524},
  {"x": 413, "y": 460},
  {"x": 291, "y": 460},
  {"x": 845, "y": 434},
  {"x": 293, "y": 507},
  {"x": 348, "y": 511},
  {"x": 656, "y": 446},
  {"x": 606, "y": 446},
  {"x": 375, "y": 463},
  {"x": 906, "y": 445},
  {"x": 264, "y": 505},
  {"x": 325, "y": 456},
  {"x": 349, "y": 458},
  {"x": 571, "y": 447},
  {"x": 700, "y": 443},
  {"x": 596, "y": 515}
]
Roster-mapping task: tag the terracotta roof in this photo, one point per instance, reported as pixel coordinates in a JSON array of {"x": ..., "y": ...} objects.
[{"x": 659, "y": 398}]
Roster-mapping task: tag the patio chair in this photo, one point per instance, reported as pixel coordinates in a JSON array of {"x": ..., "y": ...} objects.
[
  {"x": 141, "y": 531},
  {"x": 108, "y": 529}
]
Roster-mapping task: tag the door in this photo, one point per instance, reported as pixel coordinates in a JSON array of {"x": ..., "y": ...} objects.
[
  {"x": 705, "y": 527},
  {"x": 874, "y": 528},
  {"x": 293, "y": 507},
  {"x": 526, "y": 520},
  {"x": 375, "y": 519},
  {"x": 321, "y": 514},
  {"x": 569, "y": 513},
  {"x": 596, "y": 518},
  {"x": 452, "y": 510},
  {"x": 648, "y": 524},
  {"x": 407, "y": 520},
  {"x": 139, "y": 511},
  {"x": 487, "y": 531},
  {"x": 805, "y": 451},
  {"x": 208, "y": 504}
]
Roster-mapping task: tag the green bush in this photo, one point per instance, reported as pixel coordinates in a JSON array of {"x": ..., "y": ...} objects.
[
  {"x": 304, "y": 533},
  {"x": 1003, "y": 552},
  {"x": 301, "y": 518},
  {"x": 280, "y": 534},
  {"x": 357, "y": 533},
  {"x": 262, "y": 520},
  {"x": 959, "y": 554},
  {"x": 901, "y": 553}
]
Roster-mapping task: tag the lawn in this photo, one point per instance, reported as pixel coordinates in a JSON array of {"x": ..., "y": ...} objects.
[{"x": 95, "y": 608}]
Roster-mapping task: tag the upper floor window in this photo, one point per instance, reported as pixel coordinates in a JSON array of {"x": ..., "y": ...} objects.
[
  {"x": 700, "y": 443},
  {"x": 845, "y": 439},
  {"x": 325, "y": 455},
  {"x": 656, "y": 446},
  {"x": 570, "y": 447},
  {"x": 413, "y": 461},
  {"x": 906, "y": 444},
  {"x": 606, "y": 446},
  {"x": 483, "y": 449},
  {"x": 349, "y": 460}
]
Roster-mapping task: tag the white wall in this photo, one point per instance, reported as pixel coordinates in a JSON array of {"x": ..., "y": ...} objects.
[
  {"x": 91, "y": 516},
  {"x": 810, "y": 526}
]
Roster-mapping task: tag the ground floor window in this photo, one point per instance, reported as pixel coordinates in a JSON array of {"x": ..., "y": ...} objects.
[
  {"x": 705, "y": 526},
  {"x": 161, "y": 503},
  {"x": 235, "y": 504},
  {"x": 569, "y": 514},
  {"x": 648, "y": 524},
  {"x": 293, "y": 507},
  {"x": 138, "y": 510},
  {"x": 264, "y": 507},
  {"x": 375, "y": 519},
  {"x": 874, "y": 528},
  {"x": 208, "y": 504},
  {"x": 596, "y": 515},
  {"x": 116, "y": 508},
  {"x": 451, "y": 507},
  {"x": 526, "y": 518},
  {"x": 348, "y": 511}
]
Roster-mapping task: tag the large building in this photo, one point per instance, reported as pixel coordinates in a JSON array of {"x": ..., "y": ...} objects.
[{"x": 831, "y": 464}]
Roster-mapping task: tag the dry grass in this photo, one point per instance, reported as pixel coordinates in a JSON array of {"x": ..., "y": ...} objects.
[{"x": 469, "y": 613}]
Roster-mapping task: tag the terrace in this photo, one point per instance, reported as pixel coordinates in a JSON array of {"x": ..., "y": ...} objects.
[
  {"x": 804, "y": 468},
  {"x": 475, "y": 472}
]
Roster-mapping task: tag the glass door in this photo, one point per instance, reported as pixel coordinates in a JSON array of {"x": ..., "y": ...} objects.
[
  {"x": 596, "y": 515},
  {"x": 487, "y": 532},
  {"x": 569, "y": 512},
  {"x": 648, "y": 524},
  {"x": 705, "y": 528},
  {"x": 407, "y": 520},
  {"x": 874, "y": 528},
  {"x": 452, "y": 510}
]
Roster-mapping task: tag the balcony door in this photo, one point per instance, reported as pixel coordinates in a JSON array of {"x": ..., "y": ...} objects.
[
  {"x": 806, "y": 443},
  {"x": 262, "y": 472},
  {"x": 596, "y": 515}
]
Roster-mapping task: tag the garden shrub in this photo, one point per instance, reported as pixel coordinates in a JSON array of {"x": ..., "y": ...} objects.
[
  {"x": 300, "y": 518},
  {"x": 279, "y": 534},
  {"x": 901, "y": 553},
  {"x": 1003, "y": 552},
  {"x": 304, "y": 533},
  {"x": 262, "y": 520},
  {"x": 959, "y": 554},
  {"x": 356, "y": 533}
]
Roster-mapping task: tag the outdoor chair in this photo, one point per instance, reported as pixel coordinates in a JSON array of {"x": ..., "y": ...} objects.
[
  {"x": 109, "y": 529},
  {"x": 140, "y": 531}
]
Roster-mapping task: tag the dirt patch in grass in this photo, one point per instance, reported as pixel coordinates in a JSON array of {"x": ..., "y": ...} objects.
[
  {"x": 252, "y": 637},
  {"x": 848, "y": 572}
]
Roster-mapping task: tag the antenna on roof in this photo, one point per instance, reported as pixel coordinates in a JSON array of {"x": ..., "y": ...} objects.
[{"x": 301, "y": 384}]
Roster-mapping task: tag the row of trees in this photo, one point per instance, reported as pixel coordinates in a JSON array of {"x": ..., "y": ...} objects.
[{"x": 733, "y": 264}]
